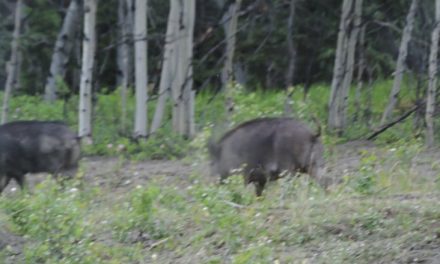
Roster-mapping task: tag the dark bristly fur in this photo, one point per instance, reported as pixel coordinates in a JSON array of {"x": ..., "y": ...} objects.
[
  {"x": 36, "y": 146},
  {"x": 266, "y": 147}
]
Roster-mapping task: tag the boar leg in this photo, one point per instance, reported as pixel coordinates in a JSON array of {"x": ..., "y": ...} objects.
[
  {"x": 20, "y": 179},
  {"x": 258, "y": 177},
  {"x": 4, "y": 180},
  {"x": 259, "y": 187}
]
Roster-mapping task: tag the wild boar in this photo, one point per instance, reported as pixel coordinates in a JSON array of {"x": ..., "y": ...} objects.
[
  {"x": 38, "y": 146},
  {"x": 265, "y": 147}
]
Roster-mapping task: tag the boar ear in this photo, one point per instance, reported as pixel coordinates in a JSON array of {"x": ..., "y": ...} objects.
[{"x": 318, "y": 127}]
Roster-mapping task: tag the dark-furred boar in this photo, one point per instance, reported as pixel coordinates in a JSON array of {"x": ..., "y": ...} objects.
[
  {"x": 265, "y": 147},
  {"x": 36, "y": 146}
]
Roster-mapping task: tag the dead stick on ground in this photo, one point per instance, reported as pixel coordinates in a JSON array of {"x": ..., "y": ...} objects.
[
  {"x": 392, "y": 123},
  {"x": 159, "y": 243},
  {"x": 234, "y": 204}
]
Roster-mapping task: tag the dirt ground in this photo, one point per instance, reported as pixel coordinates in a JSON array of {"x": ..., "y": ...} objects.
[{"x": 120, "y": 176}]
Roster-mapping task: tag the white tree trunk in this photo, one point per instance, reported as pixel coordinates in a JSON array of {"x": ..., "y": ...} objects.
[
  {"x": 167, "y": 71},
  {"x": 141, "y": 73},
  {"x": 400, "y": 66},
  {"x": 188, "y": 92},
  {"x": 361, "y": 69},
  {"x": 88, "y": 58},
  {"x": 229, "y": 22},
  {"x": 432, "y": 86},
  {"x": 62, "y": 50},
  {"x": 182, "y": 80},
  {"x": 339, "y": 67},
  {"x": 349, "y": 65},
  {"x": 290, "y": 45},
  {"x": 119, "y": 48},
  {"x": 121, "y": 59},
  {"x": 124, "y": 58},
  {"x": 11, "y": 66},
  {"x": 176, "y": 89}
]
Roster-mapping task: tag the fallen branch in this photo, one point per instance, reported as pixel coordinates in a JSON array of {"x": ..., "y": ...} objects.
[
  {"x": 159, "y": 243},
  {"x": 235, "y": 205},
  {"x": 382, "y": 129}
]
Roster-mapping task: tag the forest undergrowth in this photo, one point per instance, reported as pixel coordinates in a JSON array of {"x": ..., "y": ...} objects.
[{"x": 129, "y": 209}]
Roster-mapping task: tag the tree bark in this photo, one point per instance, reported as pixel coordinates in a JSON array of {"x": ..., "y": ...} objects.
[
  {"x": 361, "y": 69},
  {"x": 141, "y": 73},
  {"x": 432, "y": 85},
  {"x": 182, "y": 94},
  {"x": 167, "y": 70},
  {"x": 122, "y": 7},
  {"x": 369, "y": 99},
  {"x": 188, "y": 92},
  {"x": 339, "y": 67},
  {"x": 11, "y": 66},
  {"x": 124, "y": 55},
  {"x": 177, "y": 79},
  {"x": 349, "y": 65},
  {"x": 290, "y": 45},
  {"x": 400, "y": 66},
  {"x": 229, "y": 21},
  {"x": 62, "y": 51},
  {"x": 87, "y": 66}
]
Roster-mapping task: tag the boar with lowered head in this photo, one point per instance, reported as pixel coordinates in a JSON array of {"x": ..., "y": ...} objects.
[
  {"x": 266, "y": 147},
  {"x": 36, "y": 146}
]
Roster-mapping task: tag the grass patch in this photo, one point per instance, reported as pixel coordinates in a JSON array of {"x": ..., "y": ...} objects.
[{"x": 194, "y": 221}]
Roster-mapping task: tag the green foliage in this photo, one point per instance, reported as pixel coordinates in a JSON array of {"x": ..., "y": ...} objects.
[
  {"x": 140, "y": 213},
  {"x": 54, "y": 218},
  {"x": 170, "y": 219},
  {"x": 111, "y": 137},
  {"x": 365, "y": 181}
]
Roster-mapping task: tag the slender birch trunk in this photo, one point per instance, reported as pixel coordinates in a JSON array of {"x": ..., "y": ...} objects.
[
  {"x": 432, "y": 85},
  {"x": 229, "y": 22},
  {"x": 349, "y": 65},
  {"x": 62, "y": 50},
  {"x": 176, "y": 88},
  {"x": 360, "y": 73},
  {"x": 290, "y": 45},
  {"x": 339, "y": 67},
  {"x": 87, "y": 66},
  {"x": 77, "y": 55},
  {"x": 141, "y": 73},
  {"x": 369, "y": 99},
  {"x": 292, "y": 60},
  {"x": 188, "y": 92},
  {"x": 124, "y": 57},
  {"x": 11, "y": 65},
  {"x": 176, "y": 75},
  {"x": 167, "y": 68},
  {"x": 119, "y": 48},
  {"x": 182, "y": 93},
  {"x": 121, "y": 59},
  {"x": 400, "y": 66}
]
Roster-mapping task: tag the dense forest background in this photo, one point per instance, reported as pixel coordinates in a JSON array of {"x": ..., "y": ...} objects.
[
  {"x": 150, "y": 85},
  {"x": 261, "y": 47}
]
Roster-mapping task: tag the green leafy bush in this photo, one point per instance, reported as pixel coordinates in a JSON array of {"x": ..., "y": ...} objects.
[{"x": 54, "y": 219}]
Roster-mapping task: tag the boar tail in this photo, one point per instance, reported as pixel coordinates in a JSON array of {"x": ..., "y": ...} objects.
[
  {"x": 213, "y": 148},
  {"x": 318, "y": 125}
]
